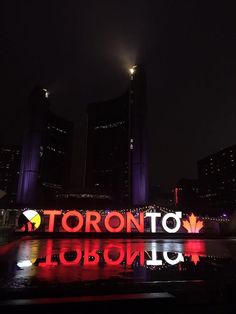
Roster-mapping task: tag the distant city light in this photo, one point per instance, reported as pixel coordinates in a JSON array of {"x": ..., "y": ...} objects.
[
  {"x": 46, "y": 92},
  {"x": 131, "y": 71}
]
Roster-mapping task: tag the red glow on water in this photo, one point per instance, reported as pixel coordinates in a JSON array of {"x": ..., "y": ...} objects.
[
  {"x": 88, "y": 254},
  {"x": 48, "y": 260},
  {"x": 114, "y": 254},
  {"x": 65, "y": 262},
  {"x": 195, "y": 249},
  {"x": 88, "y": 259}
]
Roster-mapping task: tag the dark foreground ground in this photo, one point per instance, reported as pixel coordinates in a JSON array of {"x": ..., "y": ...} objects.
[{"x": 118, "y": 275}]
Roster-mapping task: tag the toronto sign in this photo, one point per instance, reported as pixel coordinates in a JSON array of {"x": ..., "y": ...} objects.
[{"x": 113, "y": 222}]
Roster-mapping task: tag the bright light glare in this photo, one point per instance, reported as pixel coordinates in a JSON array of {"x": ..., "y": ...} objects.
[
  {"x": 23, "y": 264},
  {"x": 46, "y": 92},
  {"x": 131, "y": 71}
]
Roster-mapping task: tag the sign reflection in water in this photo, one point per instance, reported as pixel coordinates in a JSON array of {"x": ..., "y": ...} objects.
[
  {"x": 66, "y": 260},
  {"x": 72, "y": 266},
  {"x": 111, "y": 255},
  {"x": 49, "y": 262}
]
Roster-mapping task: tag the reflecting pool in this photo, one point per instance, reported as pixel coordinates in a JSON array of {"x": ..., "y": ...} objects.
[{"x": 95, "y": 266}]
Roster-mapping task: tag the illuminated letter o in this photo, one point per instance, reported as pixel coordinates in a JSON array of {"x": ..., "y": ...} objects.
[
  {"x": 175, "y": 216},
  {"x": 69, "y": 214},
  {"x": 107, "y": 222}
]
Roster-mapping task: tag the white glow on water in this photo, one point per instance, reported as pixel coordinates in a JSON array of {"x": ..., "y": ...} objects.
[{"x": 23, "y": 264}]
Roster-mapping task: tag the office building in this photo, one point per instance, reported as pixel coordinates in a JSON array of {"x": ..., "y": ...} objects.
[
  {"x": 217, "y": 179},
  {"x": 46, "y": 152},
  {"x": 9, "y": 172},
  {"x": 107, "y": 148},
  {"x": 116, "y": 144},
  {"x": 55, "y": 156},
  {"x": 186, "y": 193}
]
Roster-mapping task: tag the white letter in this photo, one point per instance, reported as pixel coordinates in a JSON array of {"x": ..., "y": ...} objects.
[
  {"x": 154, "y": 261},
  {"x": 153, "y": 220},
  {"x": 175, "y": 216},
  {"x": 170, "y": 261}
]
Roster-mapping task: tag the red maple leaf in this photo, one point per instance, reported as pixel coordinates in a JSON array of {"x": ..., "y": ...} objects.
[{"x": 193, "y": 225}]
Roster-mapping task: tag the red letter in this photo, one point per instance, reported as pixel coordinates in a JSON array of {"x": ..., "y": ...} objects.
[
  {"x": 89, "y": 222},
  {"x": 131, "y": 219},
  {"x": 80, "y": 221},
  {"x": 108, "y": 250},
  {"x": 107, "y": 222},
  {"x": 48, "y": 261},
  {"x": 69, "y": 263},
  {"x": 131, "y": 257},
  {"x": 52, "y": 214},
  {"x": 88, "y": 254}
]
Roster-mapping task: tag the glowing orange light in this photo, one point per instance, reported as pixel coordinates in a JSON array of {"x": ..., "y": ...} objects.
[
  {"x": 195, "y": 259},
  {"x": 192, "y": 225}
]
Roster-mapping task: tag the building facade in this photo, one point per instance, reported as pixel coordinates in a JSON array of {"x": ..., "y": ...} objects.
[
  {"x": 116, "y": 144},
  {"x": 217, "y": 179},
  {"x": 46, "y": 152},
  {"x": 138, "y": 162},
  {"x": 186, "y": 194},
  {"x": 9, "y": 172},
  {"x": 55, "y": 156},
  {"x": 107, "y": 166}
]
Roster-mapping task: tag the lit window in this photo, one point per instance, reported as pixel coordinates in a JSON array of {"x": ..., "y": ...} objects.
[{"x": 109, "y": 126}]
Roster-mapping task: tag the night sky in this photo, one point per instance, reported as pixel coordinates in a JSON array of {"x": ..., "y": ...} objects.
[{"x": 81, "y": 51}]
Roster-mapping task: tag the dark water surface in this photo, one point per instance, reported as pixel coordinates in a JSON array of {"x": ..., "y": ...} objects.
[{"x": 192, "y": 268}]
